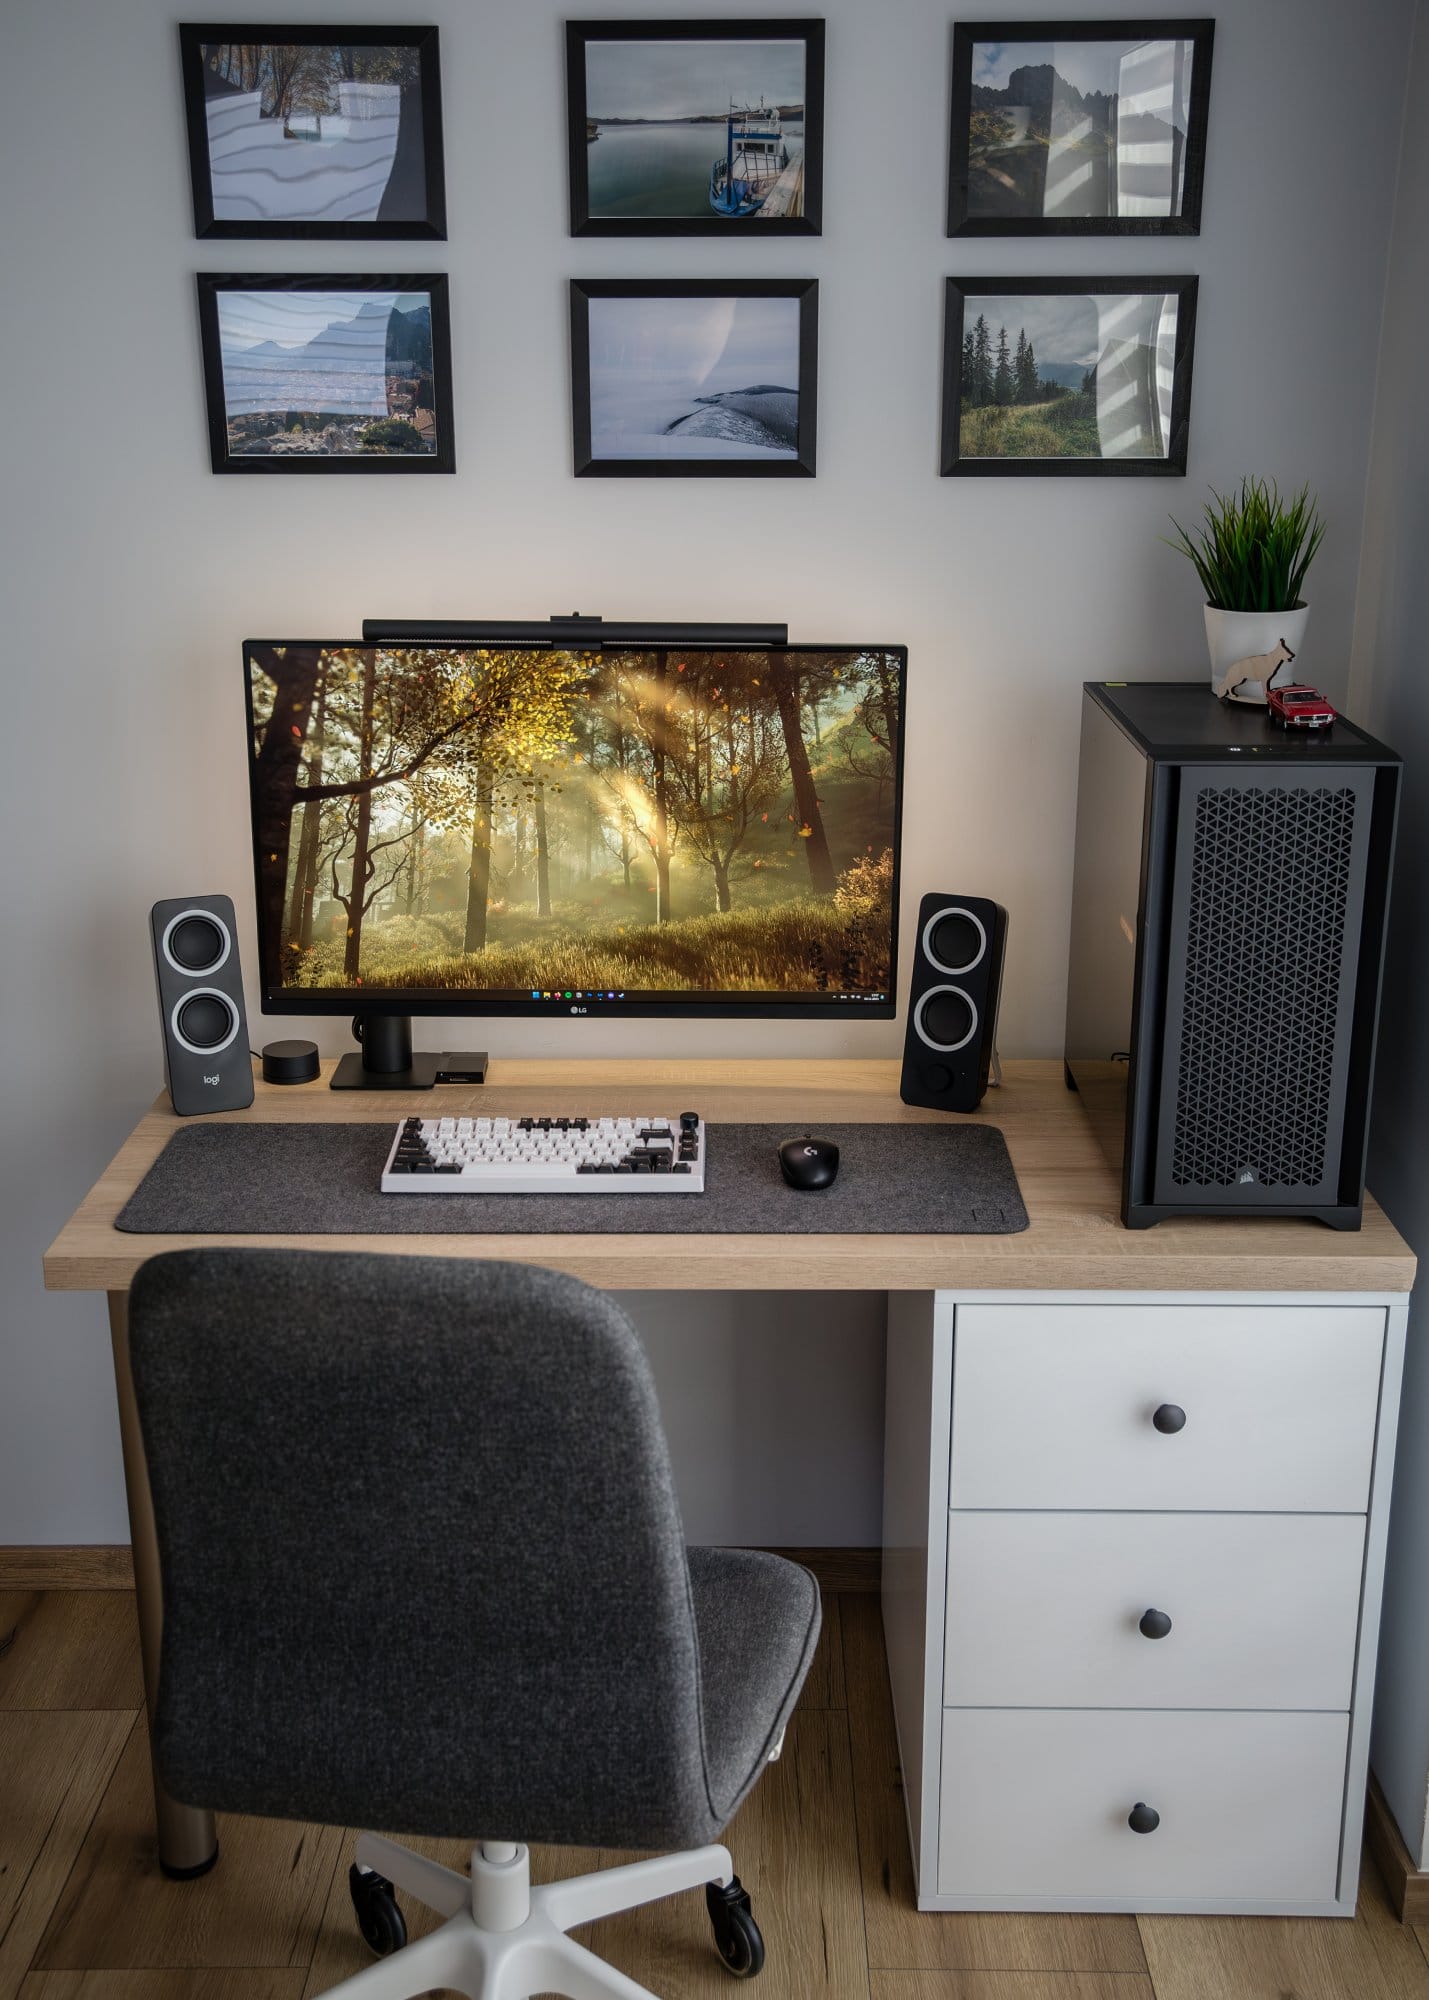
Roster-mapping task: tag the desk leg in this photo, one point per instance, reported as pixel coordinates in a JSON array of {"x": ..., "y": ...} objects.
[{"x": 188, "y": 1840}]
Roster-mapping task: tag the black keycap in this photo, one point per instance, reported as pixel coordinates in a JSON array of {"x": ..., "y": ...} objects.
[
  {"x": 682, "y": 1168},
  {"x": 662, "y": 1163},
  {"x": 423, "y": 1167},
  {"x": 585, "y": 1167},
  {"x": 525, "y": 1124},
  {"x": 449, "y": 1167},
  {"x": 580, "y": 1124},
  {"x": 606, "y": 1167},
  {"x": 624, "y": 1167},
  {"x": 399, "y": 1167},
  {"x": 656, "y": 1132}
]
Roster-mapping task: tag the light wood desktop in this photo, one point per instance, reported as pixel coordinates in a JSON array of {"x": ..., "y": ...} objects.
[{"x": 1075, "y": 1242}]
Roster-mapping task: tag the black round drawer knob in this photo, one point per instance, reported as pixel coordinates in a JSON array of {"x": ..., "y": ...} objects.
[
  {"x": 1143, "y": 1818},
  {"x": 1169, "y": 1419},
  {"x": 1154, "y": 1625}
]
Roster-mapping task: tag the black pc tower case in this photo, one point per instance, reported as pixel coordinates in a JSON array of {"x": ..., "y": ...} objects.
[{"x": 1229, "y": 906}]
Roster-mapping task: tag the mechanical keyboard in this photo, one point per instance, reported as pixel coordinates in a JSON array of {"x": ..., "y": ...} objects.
[{"x": 547, "y": 1156}]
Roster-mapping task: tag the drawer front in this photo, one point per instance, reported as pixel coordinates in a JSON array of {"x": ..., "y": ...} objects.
[
  {"x": 1054, "y": 1406},
  {"x": 1045, "y": 1610},
  {"x": 1035, "y": 1803}
]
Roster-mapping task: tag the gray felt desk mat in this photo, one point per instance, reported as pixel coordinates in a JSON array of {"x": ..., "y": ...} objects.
[{"x": 323, "y": 1180}]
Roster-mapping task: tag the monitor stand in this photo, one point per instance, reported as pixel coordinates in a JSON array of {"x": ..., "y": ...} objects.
[{"x": 386, "y": 1060}]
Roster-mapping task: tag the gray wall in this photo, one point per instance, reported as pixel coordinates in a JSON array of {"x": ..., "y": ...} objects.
[
  {"x": 1391, "y": 694},
  {"x": 136, "y": 573}
]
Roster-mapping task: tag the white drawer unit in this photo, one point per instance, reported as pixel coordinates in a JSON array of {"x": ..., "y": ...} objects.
[
  {"x": 1152, "y": 1610},
  {"x": 1273, "y": 1407},
  {"x": 1240, "y": 1808},
  {"x": 1133, "y": 1554}
]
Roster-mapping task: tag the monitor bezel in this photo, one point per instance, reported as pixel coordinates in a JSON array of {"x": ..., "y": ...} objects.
[{"x": 279, "y": 999}]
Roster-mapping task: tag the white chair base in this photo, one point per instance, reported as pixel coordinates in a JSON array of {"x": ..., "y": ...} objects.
[{"x": 504, "y": 1940}]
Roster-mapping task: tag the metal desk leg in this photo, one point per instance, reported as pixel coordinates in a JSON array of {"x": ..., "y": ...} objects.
[{"x": 188, "y": 1840}]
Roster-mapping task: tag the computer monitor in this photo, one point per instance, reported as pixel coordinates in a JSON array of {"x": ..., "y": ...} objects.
[{"x": 547, "y": 830}]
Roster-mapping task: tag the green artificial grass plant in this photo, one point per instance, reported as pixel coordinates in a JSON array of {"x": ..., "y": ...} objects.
[{"x": 1254, "y": 550}]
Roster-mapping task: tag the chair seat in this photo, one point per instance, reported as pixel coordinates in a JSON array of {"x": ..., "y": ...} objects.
[{"x": 757, "y": 1618}]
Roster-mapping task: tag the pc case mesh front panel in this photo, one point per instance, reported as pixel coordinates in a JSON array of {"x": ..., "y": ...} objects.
[{"x": 1266, "y": 904}]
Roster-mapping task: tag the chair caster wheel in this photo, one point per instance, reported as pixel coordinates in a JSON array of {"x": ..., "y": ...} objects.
[
  {"x": 378, "y": 1917},
  {"x": 737, "y": 1937}
]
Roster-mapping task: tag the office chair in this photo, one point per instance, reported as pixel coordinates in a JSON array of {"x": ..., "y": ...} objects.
[{"x": 423, "y": 1569}]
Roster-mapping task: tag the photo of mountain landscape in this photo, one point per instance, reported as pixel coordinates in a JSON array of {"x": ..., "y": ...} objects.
[
  {"x": 1058, "y": 375},
  {"x": 310, "y": 372},
  {"x": 1092, "y": 130},
  {"x": 688, "y": 376}
]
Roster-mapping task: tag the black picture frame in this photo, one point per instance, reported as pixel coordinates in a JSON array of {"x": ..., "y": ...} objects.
[
  {"x": 958, "y": 293},
  {"x": 800, "y": 466},
  {"x": 967, "y": 35},
  {"x": 579, "y": 34},
  {"x": 212, "y": 283},
  {"x": 195, "y": 36}
]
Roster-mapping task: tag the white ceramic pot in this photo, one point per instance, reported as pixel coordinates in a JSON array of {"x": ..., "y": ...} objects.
[{"x": 1248, "y": 648}]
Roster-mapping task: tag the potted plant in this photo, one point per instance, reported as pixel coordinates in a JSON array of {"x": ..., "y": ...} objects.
[{"x": 1251, "y": 555}]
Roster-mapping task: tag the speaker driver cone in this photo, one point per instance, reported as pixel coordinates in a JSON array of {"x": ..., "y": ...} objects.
[
  {"x": 954, "y": 939},
  {"x": 204, "y": 1021},
  {"x": 195, "y": 941},
  {"x": 945, "y": 1019}
]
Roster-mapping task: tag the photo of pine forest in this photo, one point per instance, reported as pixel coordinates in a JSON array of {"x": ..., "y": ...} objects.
[
  {"x": 516, "y": 821},
  {"x": 1067, "y": 375}
]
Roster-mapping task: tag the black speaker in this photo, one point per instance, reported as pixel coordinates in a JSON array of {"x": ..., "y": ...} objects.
[
  {"x": 952, "y": 1005},
  {"x": 206, "y": 1056}
]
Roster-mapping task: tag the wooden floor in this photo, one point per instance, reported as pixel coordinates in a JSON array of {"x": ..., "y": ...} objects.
[{"x": 85, "y": 1914}]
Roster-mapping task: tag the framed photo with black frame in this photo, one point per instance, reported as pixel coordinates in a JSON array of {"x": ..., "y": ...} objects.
[
  {"x": 1078, "y": 128},
  {"x": 314, "y": 132},
  {"x": 696, "y": 378},
  {"x": 1087, "y": 377},
  {"x": 696, "y": 128},
  {"x": 327, "y": 372}
]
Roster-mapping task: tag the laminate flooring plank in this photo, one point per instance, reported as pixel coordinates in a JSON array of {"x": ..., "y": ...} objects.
[
  {"x": 54, "y": 1768},
  {"x": 69, "y": 1649},
  {"x": 900, "y": 1936},
  {"x": 1369, "y": 1957},
  {"x": 259, "y": 1907},
  {"x": 248, "y": 1982},
  {"x": 1012, "y": 1986}
]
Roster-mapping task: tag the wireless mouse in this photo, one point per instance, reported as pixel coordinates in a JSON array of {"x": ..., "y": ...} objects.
[{"x": 808, "y": 1164}]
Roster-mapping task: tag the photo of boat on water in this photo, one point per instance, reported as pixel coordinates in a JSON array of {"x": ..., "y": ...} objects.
[
  {"x": 694, "y": 378},
  {"x": 694, "y": 129}
]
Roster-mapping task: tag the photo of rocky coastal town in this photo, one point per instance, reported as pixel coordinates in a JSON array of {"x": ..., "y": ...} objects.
[{"x": 327, "y": 373}]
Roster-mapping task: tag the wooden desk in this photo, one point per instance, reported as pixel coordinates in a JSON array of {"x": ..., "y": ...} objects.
[
  {"x": 1075, "y": 1243},
  {"x": 1075, "y": 1239}
]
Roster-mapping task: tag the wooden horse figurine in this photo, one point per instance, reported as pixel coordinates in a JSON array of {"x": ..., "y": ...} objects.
[{"x": 1260, "y": 669}]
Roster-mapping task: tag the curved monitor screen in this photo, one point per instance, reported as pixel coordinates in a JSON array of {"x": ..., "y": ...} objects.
[{"x": 454, "y": 828}]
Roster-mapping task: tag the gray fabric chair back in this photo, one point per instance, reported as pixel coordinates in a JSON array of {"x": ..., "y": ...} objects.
[{"x": 421, "y": 1550}]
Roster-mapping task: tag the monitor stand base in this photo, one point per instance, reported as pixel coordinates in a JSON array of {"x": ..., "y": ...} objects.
[
  {"x": 452, "y": 1066},
  {"x": 350, "y": 1074}
]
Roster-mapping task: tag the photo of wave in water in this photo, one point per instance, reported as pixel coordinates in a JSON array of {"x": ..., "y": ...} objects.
[{"x": 694, "y": 378}]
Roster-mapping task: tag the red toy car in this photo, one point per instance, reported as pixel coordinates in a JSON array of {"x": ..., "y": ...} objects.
[{"x": 1298, "y": 707}]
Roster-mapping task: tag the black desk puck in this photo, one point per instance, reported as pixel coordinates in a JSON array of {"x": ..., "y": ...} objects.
[{"x": 290, "y": 1062}]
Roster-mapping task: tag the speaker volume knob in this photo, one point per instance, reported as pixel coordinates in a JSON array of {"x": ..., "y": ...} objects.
[
  {"x": 936, "y": 1076},
  {"x": 1143, "y": 1818},
  {"x": 1169, "y": 1418},
  {"x": 1154, "y": 1625}
]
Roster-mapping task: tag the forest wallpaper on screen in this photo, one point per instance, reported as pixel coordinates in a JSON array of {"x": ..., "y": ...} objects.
[{"x": 515, "y": 821}]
